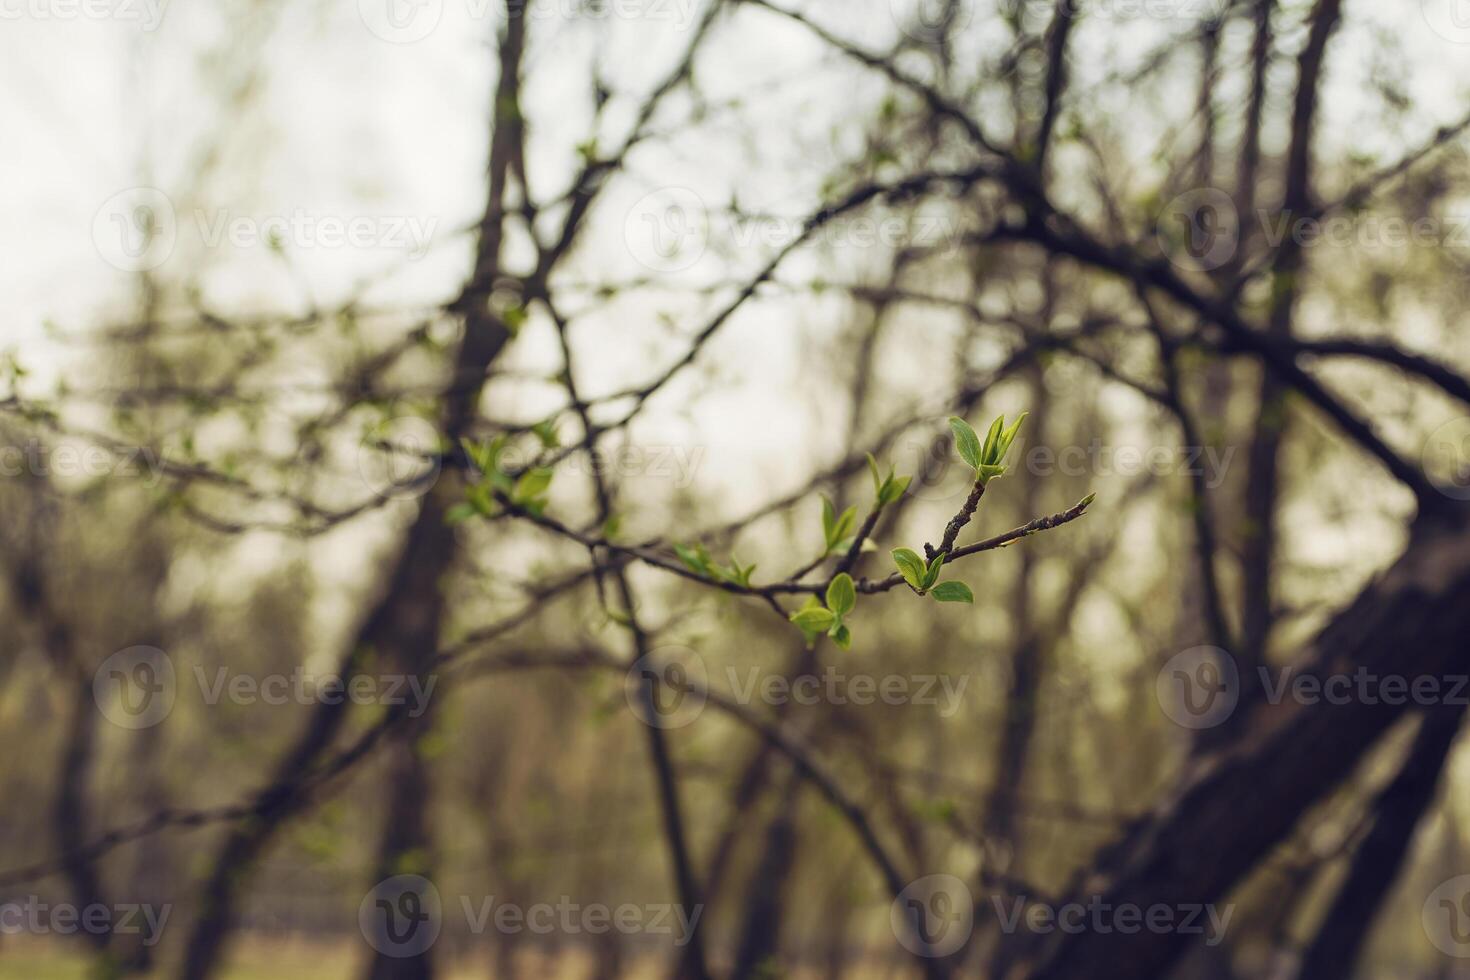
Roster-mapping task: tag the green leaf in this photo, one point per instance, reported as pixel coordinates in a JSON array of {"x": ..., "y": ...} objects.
[
  {"x": 460, "y": 513},
  {"x": 809, "y": 633},
  {"x": 846, "y": 522},
  {"x": 612, "y": 526},
  {"x": 829, "y": 518},
  {"x": 813, "y": 618},
  {"x": 1007, "y": 437},
  {"x": 893, "y": 489},
  {"x": 695, "y": 558},
  {"x": 931, "y": 574},
  {"x": 531, "y": 485},
  {"x": 910, "y": 566},
  {"x": 546, "y": 432},
  {"x": 988, "y": 472},
  {"x": 965, "y": 440},
  {"x": 987, "y": 452},
  {"x": 841, "y": 595},
  {"x": 878, "y": 481},
  {"x": 480, "y": 499},
  {"x": 953, "y": 592},
  {"x": 841, "y": 636}
]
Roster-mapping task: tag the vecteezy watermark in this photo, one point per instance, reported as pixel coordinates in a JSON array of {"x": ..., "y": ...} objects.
[
  {"x": 930, "y": 21},
  {"x": 147, "y": 14},
  {"x": 305, "y": 229},
  {"x": 926, "y": 450},
  {"x": 674, "y": 464},
  {"x": 137, "y": 229},
  {"x": 404, "y": 915},
  {"x": 1023, "y": 914},
  {"x": 34, "y": 917},
  {"x": 1201, "y": 230},
  {"x": 1097, "y": 459},
  {"x": 670, "y": 229},
  {"x": 1446, "y": 458},
  {"x": 933, "y": 916},
  {"x": 1193, "y": 11},
  {"x": 1446, "y": 917},
  {"x": 1450, "y": 19},
  {"x": 138, "y": 688},
  {"x": 400, "y": 458},
  {"x": 668, "y": 688},
  {"x": 80, "y": 462},
  {"x": 407, "y": 21},
  {"x": 1200, "y": 687}
]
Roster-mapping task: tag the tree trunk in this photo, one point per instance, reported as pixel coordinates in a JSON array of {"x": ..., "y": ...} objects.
[{"x": 1239, "y": 804}]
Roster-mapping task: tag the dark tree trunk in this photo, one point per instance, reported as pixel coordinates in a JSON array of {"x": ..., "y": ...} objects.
[
  {"x": 1379, "y": 860},
  {"x": 1239, "y": 804}
]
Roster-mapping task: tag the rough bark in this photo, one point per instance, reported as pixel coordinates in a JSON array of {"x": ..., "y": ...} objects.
[
  {"x": 1239, "y": 804},
  {"x": 1380, "y": 858}
]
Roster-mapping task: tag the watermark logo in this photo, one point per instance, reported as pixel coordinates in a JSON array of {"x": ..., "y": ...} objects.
[
  {"x": 666, "y": 688},
  {"x": 135, "y": 688},
  {"x": 667, "y": 230},
  {"x": 1199, "y": 230},
  {"x": 1199, "y": 687},
  {"x": 409, "y": 21},
  {"x": 148, "y": 14},
  {"x": 1450, "y": 19},
  {"x": 1095, "y": 915},
  {"x": 135, "y": 230},
  {"x": 138, "y": 688},
  {"x": 402, "y": 916},
  {"x": 933, "y": 916},
  {"x": 930, "y": 21},
  {"x": 401, "y": 21},
  {"x": 926, "y": 450},
  {"x": 1446, "y": 917},
  {"x": 682, "y": 684},
  {"x": 400, "y": 458},
  {"x": 570, "y": 918},
  {"x": 81, "y": 462},
  {"x": 37, "y": 918},
  {"x": 1446, "y": 458},
  {"x": 1212, "y": 463}
]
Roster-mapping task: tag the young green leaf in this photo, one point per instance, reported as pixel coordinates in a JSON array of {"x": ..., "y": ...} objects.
[
  {"x": 531, "y": 485},
  {"x": 813, "y": 618},
  {"x": 878, "y": 480},
  {"x": 846, "y": 522},
  {"x": 893, "y": 489},
  {"x": 965, "y": 440},
  {"x": 841, "y": 636},
  {"x": 546, "y": 432},
  {"x": 953, "y": 592},
  {"x": 931, "y": 573},
  {"x": 910, "y": 566},
  {"x": 695, "y": 558},
  {"x": 988, "y": 472},
  {"x": 841, "y": 595},
  {"x": 992, "y": 438},
  {"x": 460, "y": 513},
  {"x": 1008, "y": 436}
]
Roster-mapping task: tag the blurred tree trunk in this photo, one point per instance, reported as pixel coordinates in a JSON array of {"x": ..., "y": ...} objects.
[
  {"x": 403, "y": 627},
  {"x": 765, "y": 899},
  {"x": 1397, "y": 813},
  {"x": 1238, "y": 804}
]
